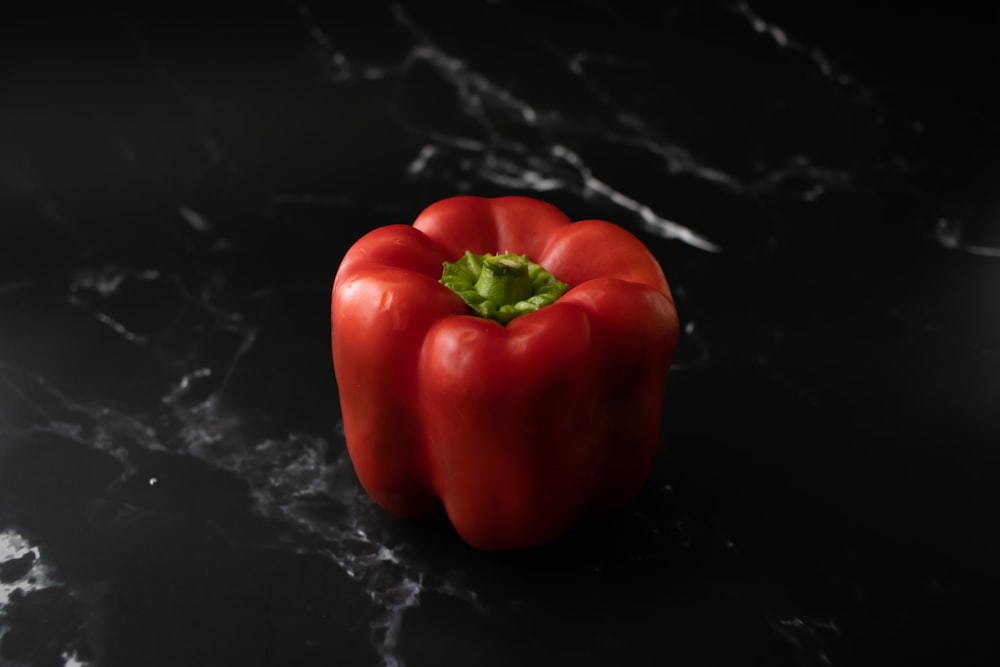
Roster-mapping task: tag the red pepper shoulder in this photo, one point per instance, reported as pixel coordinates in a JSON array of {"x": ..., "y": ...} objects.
[{"x": 521, "y": 225}]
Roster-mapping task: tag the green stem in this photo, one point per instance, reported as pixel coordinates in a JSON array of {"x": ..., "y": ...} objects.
[
  {"x": 501, "y": 287},
  {"x": 504, "y": 279}
]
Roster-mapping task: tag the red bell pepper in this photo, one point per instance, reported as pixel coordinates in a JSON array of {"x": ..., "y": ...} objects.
[{"x": 514, "y": 396}]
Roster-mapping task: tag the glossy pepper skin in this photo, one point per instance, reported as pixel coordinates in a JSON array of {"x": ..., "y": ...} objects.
[{"x": 514, "y": 430}]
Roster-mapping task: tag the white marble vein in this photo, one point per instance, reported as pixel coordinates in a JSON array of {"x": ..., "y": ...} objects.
[
  {"x": 811, "y": 54},
  {"x": 37, "y": 577},
  {"x": 948, "y": 233},
  {"x": 807, "y": 637},
  {"x": 287, "y": 477}
]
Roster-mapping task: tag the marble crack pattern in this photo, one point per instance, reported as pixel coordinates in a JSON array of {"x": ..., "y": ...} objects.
[
  {"x": 509, "y": 164},
  {"x": 493, "y": 157},
  {"x": 288, "y": 478},
  {"x": 25, "y": 573},
  {"x": 808, "y": 637},
  {"x": 948, "y": 232},
  {"x": 814, "y": 56}
]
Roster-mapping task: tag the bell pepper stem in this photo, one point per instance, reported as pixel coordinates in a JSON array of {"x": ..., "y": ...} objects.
[
  {"x": 501, "y": 287},
  {"x": 504, "y": 279}
]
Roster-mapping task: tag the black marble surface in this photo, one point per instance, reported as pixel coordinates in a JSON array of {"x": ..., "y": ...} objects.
[{"x": 177, "y": 187}]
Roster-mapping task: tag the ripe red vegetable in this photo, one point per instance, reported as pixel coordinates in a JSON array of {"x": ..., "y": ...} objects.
[{"x": 517, "y": 391}]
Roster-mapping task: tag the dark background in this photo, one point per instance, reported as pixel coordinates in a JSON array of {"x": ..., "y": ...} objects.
[{"x": 178, "y": 185}]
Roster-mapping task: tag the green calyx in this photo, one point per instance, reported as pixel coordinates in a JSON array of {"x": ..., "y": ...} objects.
[{"x": 501, "y": 287}]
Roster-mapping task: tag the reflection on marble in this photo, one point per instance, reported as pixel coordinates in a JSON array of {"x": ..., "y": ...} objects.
[{"x": 174, "y": 487}]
